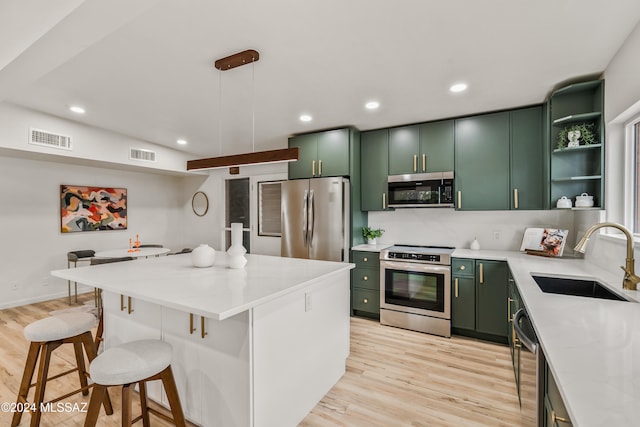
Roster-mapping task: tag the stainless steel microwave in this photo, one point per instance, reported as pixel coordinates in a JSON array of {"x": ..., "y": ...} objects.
[{"x": 421, "y": 190}]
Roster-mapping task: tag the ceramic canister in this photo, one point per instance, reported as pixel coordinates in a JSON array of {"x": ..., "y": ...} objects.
[{"x": 203, "y": 256}]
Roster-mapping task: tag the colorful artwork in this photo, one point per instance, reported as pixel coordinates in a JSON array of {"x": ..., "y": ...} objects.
[{"x": 92, "y": 208}]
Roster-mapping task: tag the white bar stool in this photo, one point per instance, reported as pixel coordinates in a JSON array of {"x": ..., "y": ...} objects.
[
  {"x": 128, "y": 364},
  {"x": 46, "y": 335}
]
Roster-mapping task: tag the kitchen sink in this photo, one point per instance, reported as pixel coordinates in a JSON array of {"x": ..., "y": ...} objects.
[{"x": 577, "y": 287}]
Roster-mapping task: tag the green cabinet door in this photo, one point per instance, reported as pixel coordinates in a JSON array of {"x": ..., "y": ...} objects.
[
  {"x": 333, "y": 153},
  {"x": 527, "y": 162},
  {"x": 308, "y": 153},
  {"x": 463, "y": 303},
  {"x": 492, "y": 281},
  {"x": 403, "y": 149},
  {"x": 374, "y": 153},
  {"x": 482, "y": 162},
  {"x": 436, "y": 146}
]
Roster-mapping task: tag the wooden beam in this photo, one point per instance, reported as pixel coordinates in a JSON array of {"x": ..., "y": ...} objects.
[{"x": 270, "y": 156}]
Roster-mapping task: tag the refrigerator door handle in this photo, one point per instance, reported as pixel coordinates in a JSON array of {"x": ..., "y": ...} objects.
[
  {"x": 312, "y": 216},
  {"x": 305, "y": 217}
]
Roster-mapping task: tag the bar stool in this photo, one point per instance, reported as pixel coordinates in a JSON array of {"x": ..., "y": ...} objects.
[
  {"x": 128, "y": 364},
  {"x": 46, "y": 335},
  {"x": 75, "y": 257}
]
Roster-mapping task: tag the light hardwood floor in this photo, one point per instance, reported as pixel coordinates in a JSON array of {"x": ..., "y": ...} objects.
[{"x": 394, "y": 378}]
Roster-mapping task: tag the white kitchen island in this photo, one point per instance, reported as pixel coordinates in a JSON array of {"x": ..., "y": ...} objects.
[{"x": 258, "y": 346}]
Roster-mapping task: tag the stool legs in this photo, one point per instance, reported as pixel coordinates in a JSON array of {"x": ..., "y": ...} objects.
[
  {"x": 27, "y": 376},
  {"x": 171, "y": 390}
]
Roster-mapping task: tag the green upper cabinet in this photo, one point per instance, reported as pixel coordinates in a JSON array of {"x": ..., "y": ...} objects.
[
  {"x": 482, "y": 162},
  {"x": 492, "y": 292},
  {"x": 527, "y": 159},
  {"x": 321, "y": 154},
  {"x": 373, "y": 169},
  {"x": 404, "y": 143},
  {"x": 427, "y": 147},
  {"x": 436, "y": 146}
]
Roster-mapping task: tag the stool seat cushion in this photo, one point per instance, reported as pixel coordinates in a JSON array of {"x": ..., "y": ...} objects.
[
  {"x": 60, "y": 326},
  {"x": 130, "y": 362}
]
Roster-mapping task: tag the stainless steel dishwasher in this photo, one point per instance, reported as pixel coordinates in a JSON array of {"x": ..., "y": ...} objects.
[{"x": 528, "y": 367}]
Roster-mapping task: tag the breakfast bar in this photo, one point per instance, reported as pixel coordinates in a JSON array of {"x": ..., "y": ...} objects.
[{"x": 257, "y": 346}]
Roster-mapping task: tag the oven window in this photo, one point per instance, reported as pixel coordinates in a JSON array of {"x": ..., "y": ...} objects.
[{"x": 414, "y": 289}]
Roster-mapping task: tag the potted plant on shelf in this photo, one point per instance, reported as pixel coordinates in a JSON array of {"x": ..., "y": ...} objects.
[
  {"x": 575, "y": 135},
  {"x": 371, "y": 234}
]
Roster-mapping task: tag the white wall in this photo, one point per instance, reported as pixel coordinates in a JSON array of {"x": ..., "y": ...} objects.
[{"x": 457, "y": 228}]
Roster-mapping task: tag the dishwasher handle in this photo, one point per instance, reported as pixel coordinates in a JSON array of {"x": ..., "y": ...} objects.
[{"x": 531, "y": 344}]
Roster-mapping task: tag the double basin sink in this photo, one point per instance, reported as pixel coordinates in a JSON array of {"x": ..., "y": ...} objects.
[{"x": 576, "y": 287}]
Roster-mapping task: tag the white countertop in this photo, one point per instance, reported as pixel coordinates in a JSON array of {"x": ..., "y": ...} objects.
[
  {"x": 371, "y": 248},
  {"x": 592, "y": 345},
  {"x": 215, "y": 292}
]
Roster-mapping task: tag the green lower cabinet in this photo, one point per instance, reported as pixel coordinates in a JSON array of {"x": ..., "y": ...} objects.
[
  {"x": 555, "y": 412},
  {"x": 479, "y": 299},
  {"x": 365, "y": 284}
]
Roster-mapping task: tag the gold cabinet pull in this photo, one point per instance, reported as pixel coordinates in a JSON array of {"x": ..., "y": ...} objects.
[
  {"x": 366, "y": 301},
  {"x": 313, "y": 168},
  {"x": 319, "y": 167},
  {"x": 462, "y": 267},
  {"x": 365, "y": 278},
  {"x": 415, "y": 163},
  {"x": 555, "y": 418},
  {"x": 456, "y": 284},
  {"x": 509, "y": 319},
  {"x": 192, "y": 328},
  {"x": 424, "y": 162},
  {"x": 515, "y": 198},
  {"x": 384, "y": 201},
  {"x": 365, "y": 259},
  {"x": 459, "y": 199},
  {"x": 203, "y": 333},
  {"x": 129, "y": 309},
  {"x": 122, "y": 307},
  {"x": 481, "y": 273}
]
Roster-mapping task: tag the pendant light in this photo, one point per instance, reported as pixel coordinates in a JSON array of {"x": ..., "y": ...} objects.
[{"x": 255, "y": 157}]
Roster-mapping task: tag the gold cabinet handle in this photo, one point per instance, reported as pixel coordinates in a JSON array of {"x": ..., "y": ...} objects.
[
  {"x": 459, "y": 199},
  {"x": 424, "y": 162},
  {"x": 203, "y": 333},
  {"x": 313, "y": 168},
  {"x": 366, "y": 301},
  {"x": 456, "y": 286},
  {"x": 122, "y": 307},
  {"x": 481, "y": 273},
  {"x": 129, "y": 309},
  {"x": 555, "y": 418},
  {"x": 515, "y": 198},
  {"x": 509, "y": 319},
  {"x": 384, "y": 201},
  {"x": 192, "y": 328},
  {"x": 365, "y": 278},
  {"x": 415, "y": 163},
  {"x": 365, "y": 259},
  {"x": 319, "y": 167},
  {"x": 462, "y": 267}
]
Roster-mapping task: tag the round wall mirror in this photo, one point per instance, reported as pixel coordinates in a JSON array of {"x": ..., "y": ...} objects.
[{"x": 200, "y": 203}]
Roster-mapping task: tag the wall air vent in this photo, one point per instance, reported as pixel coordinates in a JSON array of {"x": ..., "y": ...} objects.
[
  {"x": 140, "y": 154},
  {"x": 45, "y": 138}
]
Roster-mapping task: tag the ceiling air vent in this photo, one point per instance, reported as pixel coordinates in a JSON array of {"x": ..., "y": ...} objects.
[
  {"x": 140, "y": 154},
  {"x": 49, "y": 139}
]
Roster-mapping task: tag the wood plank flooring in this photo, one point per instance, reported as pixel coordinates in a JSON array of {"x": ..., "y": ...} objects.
[{"x": 394, "y": 378}]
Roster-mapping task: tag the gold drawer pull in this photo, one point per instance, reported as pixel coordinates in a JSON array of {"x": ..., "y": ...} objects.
[
  {"x": 415, "y": 163},
  {"x": 192, "y": 328},
  {"x": 313, "y": 168},
  {"x": 509, "y": 309},
  {"x": 203, "y": 333},
  {"x": 319, "y": 167},
  {"x": 122, "y": 307},
  {"x": 129, "y": 310},
  {"x": 481, "y": 273},
  {"x": 365, "y": 278},
  {"x": 555, "y": 418},
  {"x": 459, "y": 199},
  {"x": 462, "y": 267},
  {"x": 366, "y": 301},
  {"x": 456, "y": 282},
  {"x": 424, "y": 163},
  {"x": 365, "y": 259},
  {"x": 515, "y": 198}
]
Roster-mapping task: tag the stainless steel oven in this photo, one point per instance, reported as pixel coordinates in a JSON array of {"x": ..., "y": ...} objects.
[{"x": 415, "y": 288}]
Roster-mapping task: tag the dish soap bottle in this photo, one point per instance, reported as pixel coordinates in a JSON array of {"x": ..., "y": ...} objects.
[{"x": 475, "y": 245}]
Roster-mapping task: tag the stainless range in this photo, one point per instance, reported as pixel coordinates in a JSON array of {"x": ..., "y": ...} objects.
[{"x": 415, "y": 288}]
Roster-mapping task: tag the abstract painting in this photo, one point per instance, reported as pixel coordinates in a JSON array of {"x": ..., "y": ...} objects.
[{"x": 92, "y": 208}]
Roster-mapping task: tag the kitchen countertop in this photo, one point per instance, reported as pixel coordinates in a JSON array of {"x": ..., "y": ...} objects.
[
  {"x": 591, "y": 345},
  {"x": 371, "y": 248},
  {"x": 216, "y": 292}
]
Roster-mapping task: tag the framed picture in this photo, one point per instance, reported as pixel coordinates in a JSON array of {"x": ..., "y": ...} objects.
[{"x": 92, "y": 208}]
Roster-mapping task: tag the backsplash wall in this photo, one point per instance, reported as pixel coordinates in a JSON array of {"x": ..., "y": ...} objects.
[{"x": 448, "y": 227}]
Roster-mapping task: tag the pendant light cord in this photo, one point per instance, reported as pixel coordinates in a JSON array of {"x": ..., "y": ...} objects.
[
  {"x": 253, "y": 105},
  {"x": 220, "y": 113}
]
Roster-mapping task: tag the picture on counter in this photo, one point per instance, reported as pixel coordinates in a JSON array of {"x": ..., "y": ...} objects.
[
  {"x": 92, "y": 208},
  {"x": 544, "y": 241}
]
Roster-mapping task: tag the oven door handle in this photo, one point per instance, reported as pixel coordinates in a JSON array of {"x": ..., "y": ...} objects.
[
  {"x": 522, "y": 336},
  {"x": 415, "y": 266}
]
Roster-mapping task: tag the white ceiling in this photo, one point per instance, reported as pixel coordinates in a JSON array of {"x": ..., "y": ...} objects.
[{"x": 144, "y": 68}]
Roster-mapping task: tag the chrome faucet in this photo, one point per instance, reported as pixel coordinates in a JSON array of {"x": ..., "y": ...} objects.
[{"x": 630, "y": 280}]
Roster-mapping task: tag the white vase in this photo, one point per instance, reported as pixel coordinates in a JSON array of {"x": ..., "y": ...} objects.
[
  {"x": 236, "y": 251},
  {"x": 371, "y": 242},
  {"x": 203, "y": 256}
]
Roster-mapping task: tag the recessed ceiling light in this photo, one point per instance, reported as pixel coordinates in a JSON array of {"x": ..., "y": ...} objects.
[
  {"x": 77, "y": 109},
  {"x": 305, "y": 118},
  {"x": 458, "y": 87},
  {"x": 372, "y": 105},
  {"x": 182, "y": 141}
]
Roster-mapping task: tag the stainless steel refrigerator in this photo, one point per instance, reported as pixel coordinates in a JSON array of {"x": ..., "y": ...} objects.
[{"x": 315, "y": 219}]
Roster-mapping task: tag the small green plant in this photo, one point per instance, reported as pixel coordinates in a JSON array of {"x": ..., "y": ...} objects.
[
  {"x": 587, "y": 134},
  {"x": 372, "y": 233}
]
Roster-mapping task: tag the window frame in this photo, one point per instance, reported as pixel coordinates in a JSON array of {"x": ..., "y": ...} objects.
[{"x": 632, "y": 176}]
